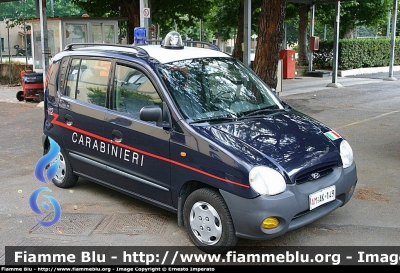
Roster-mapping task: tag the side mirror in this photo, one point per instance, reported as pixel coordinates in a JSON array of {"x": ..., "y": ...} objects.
[
  {"x": 155, "y": 113},
  {"x": 151, "y": 113}
]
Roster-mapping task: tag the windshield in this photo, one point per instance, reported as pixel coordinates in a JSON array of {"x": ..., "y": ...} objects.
[{"x": 212, "y": 88}]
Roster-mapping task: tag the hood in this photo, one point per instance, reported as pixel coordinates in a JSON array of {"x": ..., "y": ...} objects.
[{"x": 292, "y": 141}]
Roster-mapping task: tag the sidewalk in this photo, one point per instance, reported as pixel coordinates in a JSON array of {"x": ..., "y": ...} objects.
[
  {"x": 346, "y": 78},
  {"x": 313, "y": 84}
]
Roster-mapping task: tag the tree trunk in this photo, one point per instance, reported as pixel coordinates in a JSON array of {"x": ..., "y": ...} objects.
[
  {"x": 237, "y": 49},
  {"x": 131, "y": 10},
  {"x": 270, "y": 38},
  {"x": 302, "y": 35},
  {"x": 346, "y": 31},
  {"x": 348, "y": 34}
]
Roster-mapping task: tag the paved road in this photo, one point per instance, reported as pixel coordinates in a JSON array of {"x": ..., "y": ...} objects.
[{"x": 367, "y": 114}]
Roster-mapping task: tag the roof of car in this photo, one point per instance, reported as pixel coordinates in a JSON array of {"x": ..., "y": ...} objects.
[
  {"x": 161, "y": 54},
  {"x": 166, "y": 55}
]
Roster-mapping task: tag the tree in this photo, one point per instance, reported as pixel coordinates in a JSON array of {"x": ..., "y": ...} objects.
[
  {"x": 302, "y": 34},
  {"x": 222, "y": 18},
  {"x": 26, "y": 9},
  {"x": 292, "y": 23},
  {"x": 227, "y": 21},
  {"x": 166, "y": 13},
  {"x": 270, "y": 37},
  {"x": 237, "y": 49},
  {"x": 352, "y": 13},
  {"x": 371, "y": 13}
]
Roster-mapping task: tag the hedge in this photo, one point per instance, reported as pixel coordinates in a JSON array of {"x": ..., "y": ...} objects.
[{"x": 356, "y": 53}]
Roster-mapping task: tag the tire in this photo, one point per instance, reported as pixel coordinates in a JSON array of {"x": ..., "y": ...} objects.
[
  {"x": 20, "y": 95},
  {"x": 65, "y": 177},
  {"x": 208, "y": 221}
]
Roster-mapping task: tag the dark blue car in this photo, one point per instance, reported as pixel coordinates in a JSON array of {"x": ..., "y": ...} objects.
[{"x": 196, "y": 132}]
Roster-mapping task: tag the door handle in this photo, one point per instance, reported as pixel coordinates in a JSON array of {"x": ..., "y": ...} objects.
[
  {"x": 64, "y": 102},
  {"x": 117, "y": 135},
  {"x": 69, "y": 119}
]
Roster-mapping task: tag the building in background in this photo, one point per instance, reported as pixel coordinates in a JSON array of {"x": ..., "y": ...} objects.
[{"x": 12, "y": 39}]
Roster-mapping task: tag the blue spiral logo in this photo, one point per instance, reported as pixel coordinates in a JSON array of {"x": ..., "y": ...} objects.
[
  {"x": 47, "y": 164},
  {"x": 35, "y": 208},
  {"x": 50, "y": 157}
]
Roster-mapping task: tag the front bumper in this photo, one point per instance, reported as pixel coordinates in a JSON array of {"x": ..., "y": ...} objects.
[{"x": 290, "y": 207}]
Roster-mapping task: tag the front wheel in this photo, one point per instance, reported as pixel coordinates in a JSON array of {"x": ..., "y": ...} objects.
[
  {"x": 208, "y": 221},
  {"x": 20, "y": 95}
]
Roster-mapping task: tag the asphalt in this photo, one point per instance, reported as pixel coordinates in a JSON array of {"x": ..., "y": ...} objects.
[{"x": 94, "y": 216}]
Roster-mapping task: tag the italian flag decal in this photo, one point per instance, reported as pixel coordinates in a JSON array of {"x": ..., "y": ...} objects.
[{"x": 332, "y": 135}]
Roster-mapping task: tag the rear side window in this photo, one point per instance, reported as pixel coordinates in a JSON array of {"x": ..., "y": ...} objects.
[
  {"x": 63, "y": 74},
  {"x": 87, "y": 80},
  {"x": 132, "y": 90},
  {"x": 72, "y": 77},
  {"x": 51, "y": 78}
]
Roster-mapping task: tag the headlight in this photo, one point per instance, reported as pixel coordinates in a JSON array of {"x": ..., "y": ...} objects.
[
  {"x": 266, "y": 181},
  {"x": 346, "y": 153}
]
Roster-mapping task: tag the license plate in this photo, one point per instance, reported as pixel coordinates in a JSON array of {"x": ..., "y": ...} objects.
[{"x": 321, "y": 197}]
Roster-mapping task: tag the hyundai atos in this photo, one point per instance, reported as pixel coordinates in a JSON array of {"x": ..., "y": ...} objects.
[{"x": 194, "y": 131}]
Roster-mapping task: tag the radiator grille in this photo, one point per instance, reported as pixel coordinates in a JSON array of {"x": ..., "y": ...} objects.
[{"x": 314, "y": 174}]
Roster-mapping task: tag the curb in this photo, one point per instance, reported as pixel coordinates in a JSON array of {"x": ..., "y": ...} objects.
[{"x": 366, "y": 70}]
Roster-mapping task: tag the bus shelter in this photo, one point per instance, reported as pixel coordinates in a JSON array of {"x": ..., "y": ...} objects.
[{"x": 66, "y": 30}]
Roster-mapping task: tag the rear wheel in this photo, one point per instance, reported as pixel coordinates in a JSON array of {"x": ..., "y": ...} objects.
[
  {"x": 65, "y": 177},
  {"x": 208, "y": 221}
]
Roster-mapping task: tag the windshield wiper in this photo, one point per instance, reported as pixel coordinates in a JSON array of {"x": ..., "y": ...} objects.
[
  {"x": 220, "y": 118},
  {"x": 259, "y": 111}
]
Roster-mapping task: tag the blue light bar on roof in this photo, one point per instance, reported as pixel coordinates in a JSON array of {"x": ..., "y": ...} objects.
[{"x": 139, "y": 35}]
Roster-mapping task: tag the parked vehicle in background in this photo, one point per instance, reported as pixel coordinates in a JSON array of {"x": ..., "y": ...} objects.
[{"x": 21, "y": 51}]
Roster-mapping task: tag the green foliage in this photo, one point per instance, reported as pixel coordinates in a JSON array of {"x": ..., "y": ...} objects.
[
  {"x": 223, "y": 17},
  {"x": 356, "y": 53},
  {"x": 291, "y": 33},
  {"x": 169, "y": 15},
  {"x": 372, "y": 13},
  {"x": 226, "y": 24},
  {"x": 364, "y": 53},
  {"x": 180, "y": 14},
  {"x": 183, "y": 16},
  {"x": 99, "y": 8},
  {"x": 26, "y": 9}
]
